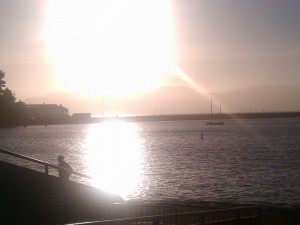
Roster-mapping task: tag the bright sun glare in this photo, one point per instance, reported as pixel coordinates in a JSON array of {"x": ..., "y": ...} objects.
[
  {"x": 109, "y": 48},
  {"x": 114, "y": 156}
]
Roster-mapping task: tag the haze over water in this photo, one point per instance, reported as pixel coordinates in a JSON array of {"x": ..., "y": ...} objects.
[{"x": 250, "y": 161}]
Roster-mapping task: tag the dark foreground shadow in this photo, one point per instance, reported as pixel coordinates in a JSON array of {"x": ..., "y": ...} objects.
[{"x": 30, "y": 197}]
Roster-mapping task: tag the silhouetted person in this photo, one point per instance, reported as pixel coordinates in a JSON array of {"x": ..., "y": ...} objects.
[{"x": 64, "y": 174}]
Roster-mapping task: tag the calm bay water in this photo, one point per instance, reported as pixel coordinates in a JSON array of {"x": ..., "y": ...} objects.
[{"x": 250, "y": 161}]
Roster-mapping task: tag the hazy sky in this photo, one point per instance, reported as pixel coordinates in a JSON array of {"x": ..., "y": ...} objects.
[
  {"x": 117, "y": 47},
  {"x": 229, "y": 44}
]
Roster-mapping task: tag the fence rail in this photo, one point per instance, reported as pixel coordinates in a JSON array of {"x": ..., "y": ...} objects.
[
  {"x": 240, "y": 215},
  {"x": 43, "y": 163}
]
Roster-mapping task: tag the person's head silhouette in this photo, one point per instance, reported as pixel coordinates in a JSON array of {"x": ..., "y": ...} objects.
[{"x": 60, "y": 158}]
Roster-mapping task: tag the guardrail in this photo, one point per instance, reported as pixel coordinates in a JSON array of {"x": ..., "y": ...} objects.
[
  {"x": 239, "y": 215},
  {"x": 43, "y": 163}
]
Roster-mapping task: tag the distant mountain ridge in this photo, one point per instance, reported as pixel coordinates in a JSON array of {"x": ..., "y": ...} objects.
[
  {"x": 262, "y": 98},
  {"x": 182, "y": 100}
]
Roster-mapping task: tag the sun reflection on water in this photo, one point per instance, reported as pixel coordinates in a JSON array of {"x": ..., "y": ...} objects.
[{"x": 114, "y": 156}]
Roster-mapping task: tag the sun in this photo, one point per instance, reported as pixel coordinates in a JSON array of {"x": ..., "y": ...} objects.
[{"x": 109, "y": 48}]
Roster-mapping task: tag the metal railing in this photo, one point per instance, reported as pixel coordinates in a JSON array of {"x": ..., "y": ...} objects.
[
  {"x": 43, "y": 163},
  {"x": 239, "y": 215}
]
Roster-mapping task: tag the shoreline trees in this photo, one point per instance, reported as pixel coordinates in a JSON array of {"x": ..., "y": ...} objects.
[{"x": 11, "y": 112}]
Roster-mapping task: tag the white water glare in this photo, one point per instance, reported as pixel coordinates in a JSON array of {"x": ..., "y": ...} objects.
[{"x": 114, "y": 156}]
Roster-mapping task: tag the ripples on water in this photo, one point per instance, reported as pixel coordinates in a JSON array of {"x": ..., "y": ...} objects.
[{"x": 254, "y": 161}]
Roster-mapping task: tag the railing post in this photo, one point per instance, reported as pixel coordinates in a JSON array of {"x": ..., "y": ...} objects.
[
  {"x": 238, "y": 217},
  {"x": 156, "y": 222},
  {"x": 46, "y": 169},
  {"x": 259, "y": 216},
  {"x": 202, "y": 219}
]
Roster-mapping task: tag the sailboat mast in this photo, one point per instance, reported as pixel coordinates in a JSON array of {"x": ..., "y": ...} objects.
[
  {"x": 211, "y": 109},
  {"x": 220, "y": 113}
]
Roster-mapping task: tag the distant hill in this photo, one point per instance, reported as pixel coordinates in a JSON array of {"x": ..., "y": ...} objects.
[
  {"x": 263, "y": 98},
  {"x": 182, "y": 100}
]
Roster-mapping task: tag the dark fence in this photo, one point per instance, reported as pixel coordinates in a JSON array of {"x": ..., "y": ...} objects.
[{"x": 230, "y": 216}]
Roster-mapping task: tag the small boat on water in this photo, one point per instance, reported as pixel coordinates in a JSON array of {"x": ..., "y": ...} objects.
[{"x": 212, "y": 122}]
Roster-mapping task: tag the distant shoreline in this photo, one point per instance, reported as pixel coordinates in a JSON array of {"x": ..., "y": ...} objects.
[
  {"x": 159, "y": 118},
  {"x": 179, "y": 117}
]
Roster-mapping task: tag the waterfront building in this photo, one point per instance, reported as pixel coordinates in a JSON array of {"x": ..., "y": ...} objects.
[{"x": 46, "y": 111}]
